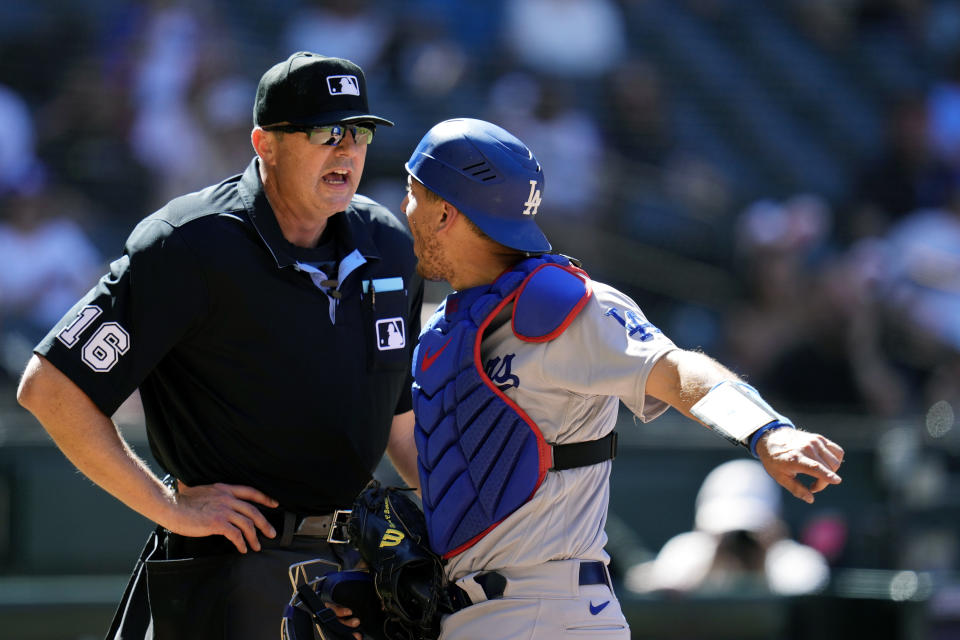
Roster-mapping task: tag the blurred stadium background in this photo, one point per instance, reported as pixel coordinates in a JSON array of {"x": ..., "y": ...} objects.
[{"x": 776, "y": 182}]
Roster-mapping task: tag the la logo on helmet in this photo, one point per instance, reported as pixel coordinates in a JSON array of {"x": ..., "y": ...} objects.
[{"x": 533, "y": 200}]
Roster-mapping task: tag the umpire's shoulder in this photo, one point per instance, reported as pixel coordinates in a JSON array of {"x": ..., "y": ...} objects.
[{"x": 199, "y": 214}]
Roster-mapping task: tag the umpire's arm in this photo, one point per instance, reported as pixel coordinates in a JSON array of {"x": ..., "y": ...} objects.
[
  {"x": 402, "y": 448},
  {"x": 681, "y": 378},
  {"x": 91, "y": 441}
]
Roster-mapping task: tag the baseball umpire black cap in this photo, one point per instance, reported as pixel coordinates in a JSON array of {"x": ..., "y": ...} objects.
[{"x": 310, "y": 89}]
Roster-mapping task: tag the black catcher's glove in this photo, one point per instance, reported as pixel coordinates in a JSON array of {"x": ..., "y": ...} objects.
[{"x": 390, "y": 532}]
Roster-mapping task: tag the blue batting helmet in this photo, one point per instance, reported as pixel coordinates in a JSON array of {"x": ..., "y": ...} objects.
[{"x": 489, "y": 175}]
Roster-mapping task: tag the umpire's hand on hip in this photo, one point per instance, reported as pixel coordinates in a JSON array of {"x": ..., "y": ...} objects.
[
  {"x": 788, "y": 452},
  {"x": 221, "y": 509}
]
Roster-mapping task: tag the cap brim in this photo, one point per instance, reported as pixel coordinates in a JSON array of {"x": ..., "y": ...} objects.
[{"x": 333, "y": 117}]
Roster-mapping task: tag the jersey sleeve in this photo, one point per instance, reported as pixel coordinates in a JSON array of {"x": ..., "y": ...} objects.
[
  {"x": 609, "y": 349},
  {"x": 116, "y": 334}
]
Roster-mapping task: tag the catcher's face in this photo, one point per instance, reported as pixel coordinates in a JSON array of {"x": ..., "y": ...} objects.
[{"x": 423, "y": 213}]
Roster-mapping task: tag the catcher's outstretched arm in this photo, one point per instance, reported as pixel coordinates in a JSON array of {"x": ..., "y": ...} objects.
[{"x": 682, "y": 378}]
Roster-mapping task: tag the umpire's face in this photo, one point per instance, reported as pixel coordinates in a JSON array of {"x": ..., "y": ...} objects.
[{"x": 309, "y": 180}]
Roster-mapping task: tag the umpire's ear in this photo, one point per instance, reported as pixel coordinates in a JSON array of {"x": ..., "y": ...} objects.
[{"x": 264, "y": 144}]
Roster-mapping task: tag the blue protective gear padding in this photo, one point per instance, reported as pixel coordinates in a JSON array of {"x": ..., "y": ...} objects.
[
  {"x": 480, "y": 455},
  {"x": 548, "y": 302}
]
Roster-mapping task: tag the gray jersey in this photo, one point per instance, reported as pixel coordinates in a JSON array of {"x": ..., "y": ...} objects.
[{"x": 570, "y": 387}]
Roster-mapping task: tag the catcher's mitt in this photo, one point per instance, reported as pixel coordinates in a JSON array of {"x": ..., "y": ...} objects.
[{"x": 390, "y": 532}]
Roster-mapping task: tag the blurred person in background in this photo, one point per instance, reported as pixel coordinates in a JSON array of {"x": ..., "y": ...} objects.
[
  {"x": 772, "y": 247},
  {"x": 739, "y": 543},
  {"x": 190, "y": 98},
  {"x": 572, "y": 39},
  {"x": 83, "y": 135},
  {"x": 429, "y": 64},
  {"x": 473, "y": 26},
  {"x": 19, "y": 166},
  {"x": 943, "y": 103},
  {"x": 638, "y": 127},
  {"x": 907, "y": 175},
  {"x": 357, "y": 30},
  {"x": 46, "y": 263},
  {"x": 811, "y": 331},
  {"x": 46, "y": 260},
  {"x": 921, "y": 293}
]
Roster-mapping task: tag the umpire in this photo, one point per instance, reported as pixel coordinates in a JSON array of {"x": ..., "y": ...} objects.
[{"x": 267, "y": 322}]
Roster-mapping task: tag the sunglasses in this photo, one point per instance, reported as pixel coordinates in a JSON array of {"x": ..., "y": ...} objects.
[{"x": 329, "y": 134}]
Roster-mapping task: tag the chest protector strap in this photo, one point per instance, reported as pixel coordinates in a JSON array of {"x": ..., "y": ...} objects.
[{"x": 480, "y": 456}]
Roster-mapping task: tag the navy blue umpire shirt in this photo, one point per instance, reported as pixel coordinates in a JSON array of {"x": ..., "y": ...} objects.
[{"x": 251, "y": 369}]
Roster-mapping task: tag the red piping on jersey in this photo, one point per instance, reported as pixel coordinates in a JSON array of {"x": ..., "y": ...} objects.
[
  {"x": 544, "y": 450},
  {"x": 580, "y": 273}
]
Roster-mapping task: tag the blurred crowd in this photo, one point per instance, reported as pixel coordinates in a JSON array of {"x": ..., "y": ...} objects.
[{"x": 845, "y": 301}]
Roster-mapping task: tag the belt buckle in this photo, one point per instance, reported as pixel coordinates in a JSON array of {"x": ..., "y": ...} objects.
[{"x": 335, "y": 522}]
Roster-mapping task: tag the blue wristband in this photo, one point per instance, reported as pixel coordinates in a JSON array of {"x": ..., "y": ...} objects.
[{"x": 755, "y": 438}]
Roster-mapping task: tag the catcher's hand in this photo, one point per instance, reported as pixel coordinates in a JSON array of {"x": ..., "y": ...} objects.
[
  {"x": 785, "y": 453},
  {"x": 390, "y": 532}
]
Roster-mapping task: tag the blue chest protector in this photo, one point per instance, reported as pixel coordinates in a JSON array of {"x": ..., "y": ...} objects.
[{"x": 480, "y": 456}]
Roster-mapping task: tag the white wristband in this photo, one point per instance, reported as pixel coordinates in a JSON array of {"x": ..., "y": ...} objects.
[{"x": 736, "y": 411}]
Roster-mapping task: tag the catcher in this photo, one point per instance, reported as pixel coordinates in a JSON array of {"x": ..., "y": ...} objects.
[{"x": 518, "y": 379}]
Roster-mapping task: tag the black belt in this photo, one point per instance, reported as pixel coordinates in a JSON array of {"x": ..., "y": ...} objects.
[
  {"x": 331, "y": 526},
  {"x": 288, "y": 524},
  {"x": 494, "y": 583}
]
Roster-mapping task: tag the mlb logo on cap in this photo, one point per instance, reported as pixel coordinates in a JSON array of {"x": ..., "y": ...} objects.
[
  {"x": 292, "y": 92},
  {"x": 390, "y": 334},
  {"x": 343, "y": 85}
]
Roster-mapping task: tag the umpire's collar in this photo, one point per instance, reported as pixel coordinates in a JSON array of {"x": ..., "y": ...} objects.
[{"x": 349, "y": 230}]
